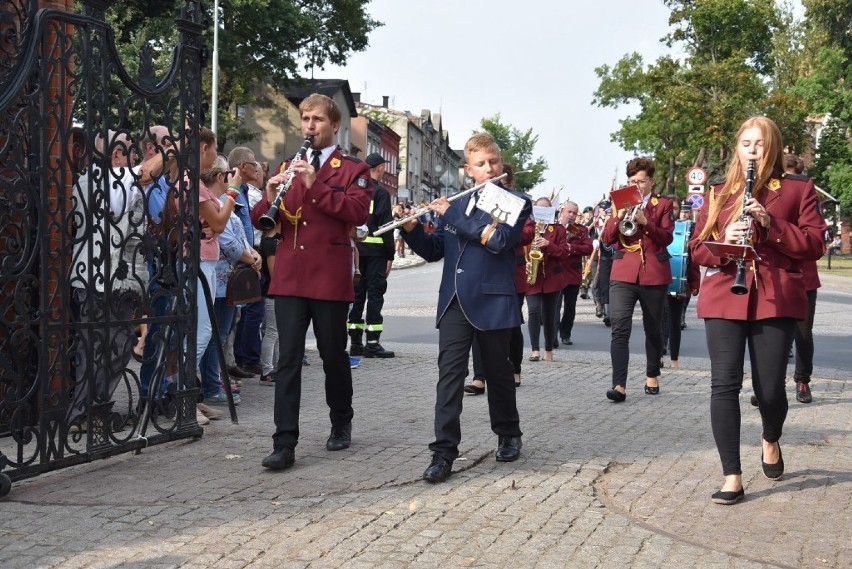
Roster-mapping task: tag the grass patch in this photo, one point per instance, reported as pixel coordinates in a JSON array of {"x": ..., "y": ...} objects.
[{"x": 841, "y": 265}]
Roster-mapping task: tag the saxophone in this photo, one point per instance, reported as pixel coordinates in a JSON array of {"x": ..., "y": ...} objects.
[{"x": 535, "y": 256}]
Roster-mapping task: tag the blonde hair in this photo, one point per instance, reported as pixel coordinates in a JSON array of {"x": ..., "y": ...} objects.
[
  {"x": 480, "y": 141},
  {"x": 318, "y": 100},
  {"x": 772, "y": 163}
]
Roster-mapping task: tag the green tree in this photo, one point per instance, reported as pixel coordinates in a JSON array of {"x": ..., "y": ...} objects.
[
  {"x": 517, "y": 148},
  {"x": 691, "y": 107},
  {"x": 273, "y": 41}
]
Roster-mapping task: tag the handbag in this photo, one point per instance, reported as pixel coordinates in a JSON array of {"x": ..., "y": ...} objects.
[{"x": 243, "y": 286}]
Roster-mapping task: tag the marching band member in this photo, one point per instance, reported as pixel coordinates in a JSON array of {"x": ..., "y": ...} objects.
[
  {"x": 579, "y": 246},
  {"x": 675, "y": 305},
  {"x": 548, "y": 277},
  {"x": 312, "y": 278},
  {"x": 640, "y": 271},
  {"x": 783, "y": 222},
  {"x": 477, "y": 298}
]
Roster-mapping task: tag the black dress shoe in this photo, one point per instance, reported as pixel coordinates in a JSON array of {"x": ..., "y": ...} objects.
[
  {"x": 439, "y": 470},
  {"x": 773, "y": 471},
  {"x": 254, "y": 369},
  {"x": 471, "y": 389},
  {"x": 728, "y": 498},
  {"x": 279, "y": 459},
  {"x": 376, "y": 351},
  {"x": 652, "y": 390},
  {"x": 340, "y": 438},
  {"x": 615, "y": 395},
  {"x": 607, "y": 322},
  {"x": 239, "y": 373},
  {"x": 754, "y": 400},
  {"x": 508, "y": 448}
]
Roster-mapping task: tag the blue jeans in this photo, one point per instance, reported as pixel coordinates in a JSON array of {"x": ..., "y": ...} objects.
[
  {"x": 210, "y": 382},
  {"x": 205, "y": 328},
  {"x": 247, "y": 342},
  {"x": 161, "y": 302}
]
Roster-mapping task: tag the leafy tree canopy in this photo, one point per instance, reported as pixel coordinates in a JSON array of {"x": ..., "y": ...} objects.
[
  {"x": 259, "y": 41},
  {"x": 517, "y": 148}
]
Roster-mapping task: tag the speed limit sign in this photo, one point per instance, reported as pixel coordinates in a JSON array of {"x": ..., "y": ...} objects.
[{"x": 696, "y": 176}]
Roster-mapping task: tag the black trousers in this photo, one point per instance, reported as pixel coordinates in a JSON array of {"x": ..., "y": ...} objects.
[
  {"x": 622, "y": 302},
  {"x": 455, "y": 336},
  {"x": 516, "y": 350},
  {"x": 370, "y": 290},
  {"x": 804, "y": 338},
  {"x": 293, "y": 315},
  {"x": 569, "y": 310},
  {"x": 768, "y": 342},
  {"x": 542, "y": 313},
  {"x": 673, "y": 309}
]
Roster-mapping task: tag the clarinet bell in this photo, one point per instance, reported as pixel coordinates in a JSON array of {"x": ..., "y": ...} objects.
[
  {"x": 268, "y": 221},
  {"x": 739, "y": 286}
]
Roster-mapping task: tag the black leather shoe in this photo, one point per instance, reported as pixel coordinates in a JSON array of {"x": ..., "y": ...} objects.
[
  {"x": 754, "y": 401},
  {"x": 615, "y": 395},
  {"x": 607, "y": 322},
  {"x": 439, "y": 470},
  {"x": 239, "y": 373},
  {"x": 508, "y": 448},
  {"x": 803, "y": 392},
  {"x": 652, "y": 390},
  {"x": 471, "y": 389},
  {"x": 376, "y": 351},
  {"x": 773, "y": 471},
  {"x": 279, "y": 459},
  {"x": 253, "y": 369},
  {"x": 340, "y": 438},
  {"x": 728, "y": 498}
]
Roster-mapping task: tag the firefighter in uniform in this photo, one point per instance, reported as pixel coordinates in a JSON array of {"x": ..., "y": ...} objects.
[{"x": 376, "y": 259}]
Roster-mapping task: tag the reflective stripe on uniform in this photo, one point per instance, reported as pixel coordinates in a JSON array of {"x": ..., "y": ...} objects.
[
  {"x": 374, "y": 327},
  {"x": 377, "y": 240},
  {"x": 356, "y": 325}
]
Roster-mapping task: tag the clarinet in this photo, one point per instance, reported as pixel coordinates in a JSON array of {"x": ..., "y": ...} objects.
[
  {"x": 268, "y": 221},
  {"x": 739, "y": 286}
]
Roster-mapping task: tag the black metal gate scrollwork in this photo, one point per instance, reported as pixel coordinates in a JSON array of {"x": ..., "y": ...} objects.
[{"x": 90, "y": 244}]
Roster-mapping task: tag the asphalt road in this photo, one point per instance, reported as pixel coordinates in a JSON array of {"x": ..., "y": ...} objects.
[{"x": 410, "y": 308}]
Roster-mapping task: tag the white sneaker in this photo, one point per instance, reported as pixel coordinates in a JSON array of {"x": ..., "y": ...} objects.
[{"x": 202, "y": 420}]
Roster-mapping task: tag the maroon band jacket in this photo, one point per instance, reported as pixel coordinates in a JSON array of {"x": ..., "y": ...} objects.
[
  {"x": 314, "y": 256},
  {"x": 579, "y": 246},
  {"x": 776, "y": 283},
  {"x": 648, "y": 265}
]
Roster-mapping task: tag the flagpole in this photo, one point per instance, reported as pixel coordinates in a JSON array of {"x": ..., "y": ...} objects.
[{"x": 215, "y": 103}]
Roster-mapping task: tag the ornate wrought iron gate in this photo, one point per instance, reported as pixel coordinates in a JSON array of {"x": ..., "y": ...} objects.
[{"x": 90, "y": 248}]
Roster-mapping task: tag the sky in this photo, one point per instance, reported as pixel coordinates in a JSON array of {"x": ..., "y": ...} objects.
[{"x": 532, "y": 62}]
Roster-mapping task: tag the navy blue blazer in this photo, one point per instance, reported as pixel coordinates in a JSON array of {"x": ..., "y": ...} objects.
[{"x": 482, "y": 277}]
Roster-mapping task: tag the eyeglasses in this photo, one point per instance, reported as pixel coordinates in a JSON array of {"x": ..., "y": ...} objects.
[
  {"x": 253, "y": 164},
  {"x": 639, "y": 182}
]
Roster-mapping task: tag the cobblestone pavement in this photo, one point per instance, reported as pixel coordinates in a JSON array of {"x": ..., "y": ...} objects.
[{"x": 598, "y": 484}]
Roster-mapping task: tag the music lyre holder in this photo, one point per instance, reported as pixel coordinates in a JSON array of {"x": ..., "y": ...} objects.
[
  {"x": 623, "y": 198},
  {"x": 732, "y": 251}
]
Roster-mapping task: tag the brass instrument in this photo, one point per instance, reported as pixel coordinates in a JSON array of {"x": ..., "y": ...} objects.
[
  {"x": 270, "y": 220},
  {"x": 535, "y": 256},
  {"x": 739, "y": 286},
  {"x": 627, "y": 226},
  {"x": 424, "y": 210}
]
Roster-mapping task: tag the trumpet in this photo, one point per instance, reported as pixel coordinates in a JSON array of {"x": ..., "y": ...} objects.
[
  {"x": 270, "y": 220},
  {"x": 627, "y": 226},
  {"x": 423, "y": 210},
  {"x": 739, "y": 286}
]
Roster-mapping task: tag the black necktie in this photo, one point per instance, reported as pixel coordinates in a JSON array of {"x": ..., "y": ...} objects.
[{"x": 315, "y": 160}]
